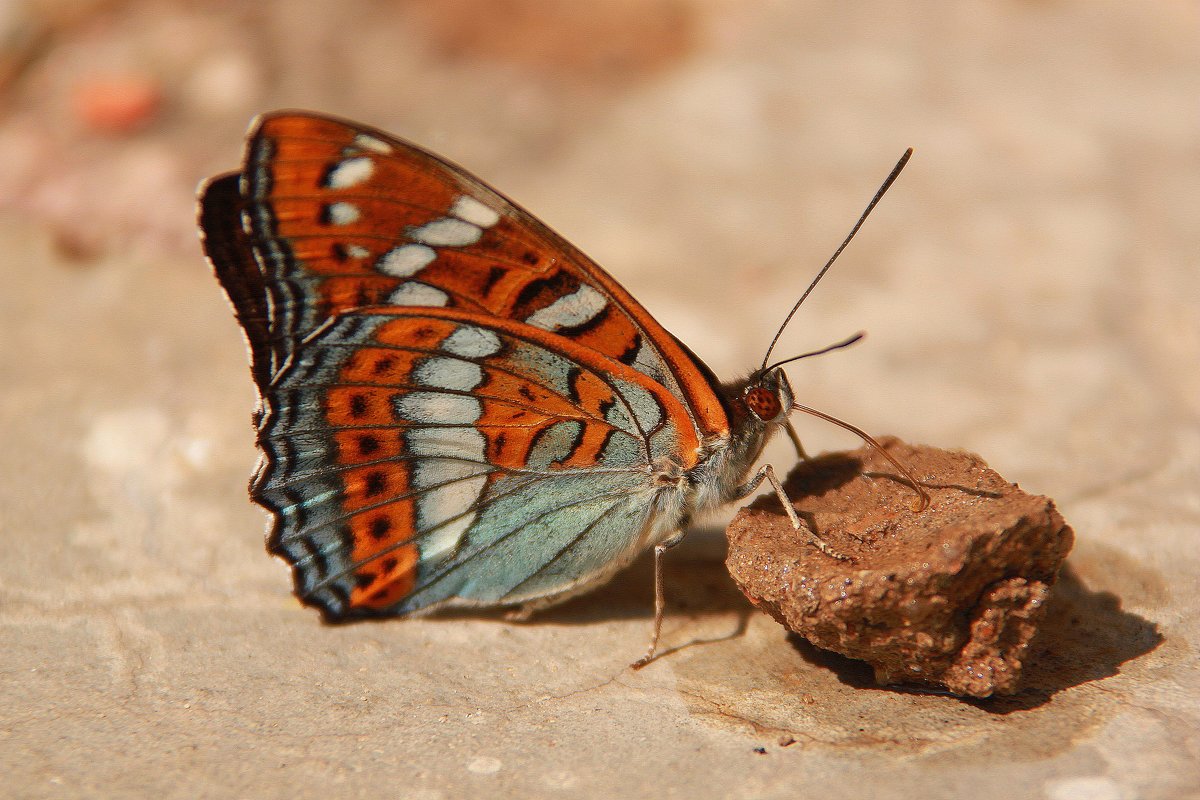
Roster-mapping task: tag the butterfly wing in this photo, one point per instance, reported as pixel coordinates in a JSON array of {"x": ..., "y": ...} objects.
[
  {"x": 456, "y": 405},
  {"x": 424, "y": 455},
  {"x": 344, "y": 216}
]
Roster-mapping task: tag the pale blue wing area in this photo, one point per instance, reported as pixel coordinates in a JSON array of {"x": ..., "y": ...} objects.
[{"x": 540, "y": 536}]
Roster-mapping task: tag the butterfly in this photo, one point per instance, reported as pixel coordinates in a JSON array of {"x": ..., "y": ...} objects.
[{"x": 456, "y": 406}]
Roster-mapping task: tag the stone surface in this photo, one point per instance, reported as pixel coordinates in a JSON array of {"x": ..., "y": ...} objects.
[
  {"x": 1029, "y": 287},
  {"x": 948, "y": 596}
]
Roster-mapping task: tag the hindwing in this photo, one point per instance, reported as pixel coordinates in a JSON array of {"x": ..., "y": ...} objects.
[{"x": 424, "y": 455}]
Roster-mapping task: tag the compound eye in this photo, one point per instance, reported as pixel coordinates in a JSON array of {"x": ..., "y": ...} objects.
[{"x": 763, "y": 403}]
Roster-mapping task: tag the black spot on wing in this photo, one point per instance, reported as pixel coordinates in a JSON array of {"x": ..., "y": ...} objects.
[
  {"x": 376, "y": 484},
  {"x": 542, "y": 292},
  {"x": 327, "y": 214},
  {"x": 631, "y": 353},
  {"x": 363, "y": 295},
  {"x": 573, "y": 376},
  {"x": 381, "y": 527},
  {"x": 576, "y": 442},
  {"x": 493, "y": 277},
  {"x": 383, "y": 365}
]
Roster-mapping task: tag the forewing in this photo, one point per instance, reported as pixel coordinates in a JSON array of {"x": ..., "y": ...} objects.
[{"x": 340, "y": 216}]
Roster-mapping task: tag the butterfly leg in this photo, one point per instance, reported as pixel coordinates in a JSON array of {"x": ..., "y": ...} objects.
[
  {"x": 767, "y": 473},
  {"x": 659, "y": 600},
  {"x": 795, "y": 437}
]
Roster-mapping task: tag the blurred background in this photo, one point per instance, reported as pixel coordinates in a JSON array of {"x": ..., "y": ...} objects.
[
  {"x": 1029, "y": 285},
  {"x": 710, "y": 155}
]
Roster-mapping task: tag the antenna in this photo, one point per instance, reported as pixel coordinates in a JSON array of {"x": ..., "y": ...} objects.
[
  {"x": 827, "y": 349},
  {"x": 922, "y": 495},
  {"x": 887, "y": 184}
]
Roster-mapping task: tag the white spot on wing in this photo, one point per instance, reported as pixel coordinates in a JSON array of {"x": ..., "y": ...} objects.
[
  {"x": 365, "y": 141},
  {"x": 350, "y": 172},
  {"x": 343, "y": 213},
  {"x": 465, "y": 444},
  {"x": 357, "y": 251},
  {"x": 445, "y": 539},
  {"x": 472, "y": 343},
  {"x": 439, "y": 409},
  {"x": 458, "y": 486},
  {"x": 448, "y": 232},
  {"x": 430, "y": 472},
  {"x": 569, "y": 310},
  {"x": 449, "y": 373},
  {"x": 415, "y": 293},
  {"x": 475, "y": 212},
  {"x": 406, "y": 260}
]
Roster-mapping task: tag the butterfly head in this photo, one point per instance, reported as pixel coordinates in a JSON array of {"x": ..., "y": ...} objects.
[
  {"x": 759, "y": 404},
  {"x": 768, "y": 396}
]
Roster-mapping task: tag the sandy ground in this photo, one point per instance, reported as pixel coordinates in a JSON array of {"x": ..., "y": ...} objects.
[{"x": 1030, "y": 287}]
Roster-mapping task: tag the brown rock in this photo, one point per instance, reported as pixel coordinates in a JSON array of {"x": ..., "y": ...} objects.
[{"x": 949, "y": 596}]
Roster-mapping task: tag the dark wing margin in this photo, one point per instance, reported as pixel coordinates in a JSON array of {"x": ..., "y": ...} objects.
[{"x": 231, "y": 253}]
